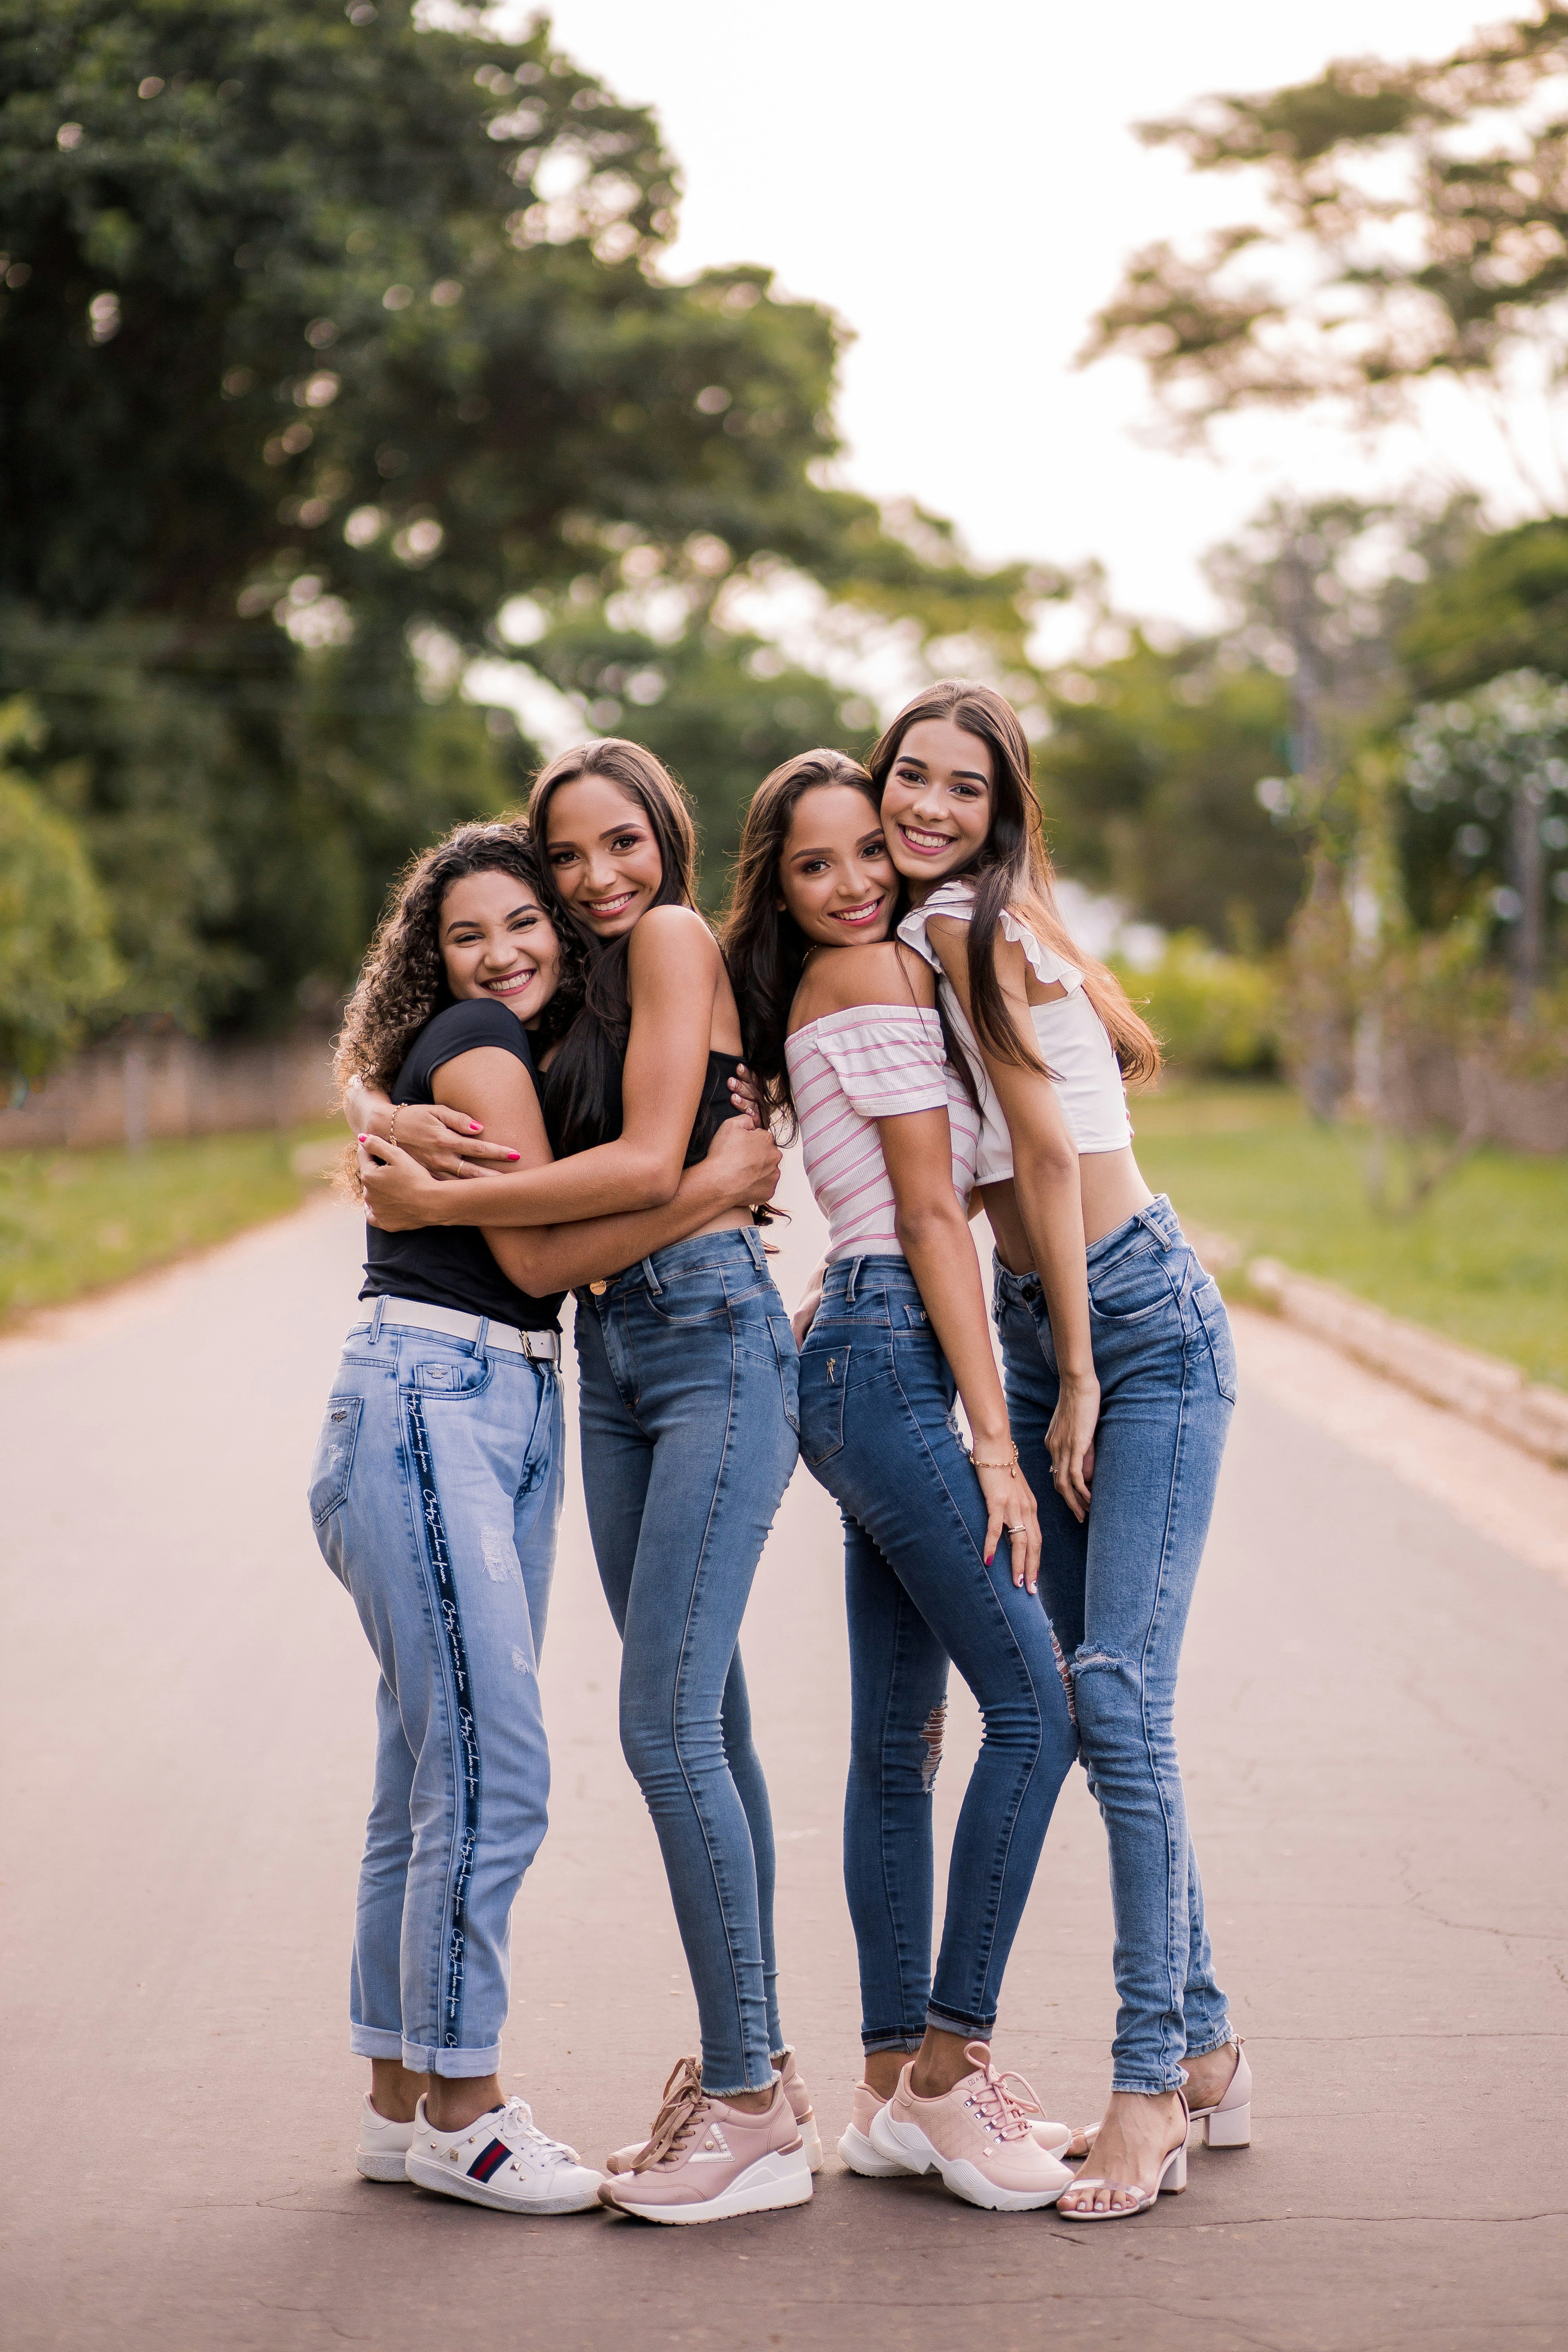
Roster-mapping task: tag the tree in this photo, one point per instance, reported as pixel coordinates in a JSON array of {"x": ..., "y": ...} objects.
[
  {"x": 324, "y": 334},
  {"x": 56, "y": 963},
  {"x": 1415, "y": 227}
]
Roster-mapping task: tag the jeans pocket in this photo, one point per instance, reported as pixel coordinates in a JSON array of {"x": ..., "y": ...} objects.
[
  {"x": 1215, "y": 1322},
  {"x": 822, "y": 1377},
  {"x": 1131, "y": 1289},
  {"x": 333, "y": 1465},
  {"x": 788, "y": 1356}
]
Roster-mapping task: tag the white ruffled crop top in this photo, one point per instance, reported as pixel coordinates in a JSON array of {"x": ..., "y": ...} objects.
[{"x": 1072, "y": 1041}]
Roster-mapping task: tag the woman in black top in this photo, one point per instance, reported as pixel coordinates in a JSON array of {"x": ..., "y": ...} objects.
[
  {"x": 687, "y": 1377},
  {"x": 435, "y": 1490}
]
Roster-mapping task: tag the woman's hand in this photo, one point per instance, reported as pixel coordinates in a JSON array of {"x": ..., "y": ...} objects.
[
  {"x": 448, "y": 1142},
  {"x": 805, "y": 1315},
  {"x": 743, "y": 1095},
  {"x": 398, "y": 1195},
  {"x": 1010, "y": 1505},
  {"x": 746, "y": 1160},
  {"x": 1069, "y": 1441}
]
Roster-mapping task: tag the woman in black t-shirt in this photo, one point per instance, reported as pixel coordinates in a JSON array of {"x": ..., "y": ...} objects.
[{"x": 435, "y": 1490}]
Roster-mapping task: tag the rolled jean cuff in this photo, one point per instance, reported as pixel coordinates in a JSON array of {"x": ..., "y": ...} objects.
[
  {"x": 374, "y": 2042},
  {"x": 452, "y": 2066},
  {"x": 1143, "y": 2089},
  {"x": 874, "y": 2044},
  {"x": 948, "y": 2021}
]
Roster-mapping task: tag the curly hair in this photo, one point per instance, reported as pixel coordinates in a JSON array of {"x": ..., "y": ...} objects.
[{"x": 403, "y": 980}]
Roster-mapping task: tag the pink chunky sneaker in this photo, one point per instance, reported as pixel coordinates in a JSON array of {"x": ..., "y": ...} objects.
[
  {"x": 796, "y": 2092},
  {"x": 860, "y": 2155},
  {"x": 979, "y": 2135},
  {"x": 707, "y": 2160}
]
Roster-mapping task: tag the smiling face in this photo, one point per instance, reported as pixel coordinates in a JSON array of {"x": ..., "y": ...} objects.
[
  {"x": 937, "y": 803},
  {"x": 835, "y": 875},
  {"x": 602, "y": 854},
  {"x": 497, "y": 940}
]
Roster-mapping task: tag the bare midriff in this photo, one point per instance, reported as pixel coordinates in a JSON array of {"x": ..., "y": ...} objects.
[{"x": 1113, "y": 1189}]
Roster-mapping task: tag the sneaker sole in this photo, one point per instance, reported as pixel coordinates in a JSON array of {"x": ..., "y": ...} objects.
[
  {"x": 860, "y": 2157},
  {"x": 375, "y": 2166},
  {"x": 961, "y": 2179},
  {"x": 806, "y": 2127},
  {"x": 773, "y": 2182},
  {"x": 426, "y": 2175}
]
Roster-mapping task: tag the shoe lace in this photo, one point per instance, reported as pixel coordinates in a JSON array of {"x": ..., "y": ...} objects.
[
  {"x": 1005, "y": 2113},
  {"x": 678, "y": 2118},
  {"x": 520, "y": 2131}
]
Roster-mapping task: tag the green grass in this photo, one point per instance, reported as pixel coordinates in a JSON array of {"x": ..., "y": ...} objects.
[
  {"x": 73, "y": 1221},
  {"x": 1484, "y": 1260}
]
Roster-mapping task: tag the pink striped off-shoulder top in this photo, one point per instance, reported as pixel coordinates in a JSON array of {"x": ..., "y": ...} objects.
[{"x": 848, "y": 1070}]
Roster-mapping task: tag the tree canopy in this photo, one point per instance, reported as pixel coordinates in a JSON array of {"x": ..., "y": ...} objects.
[{"x": 1415, "y": 224}]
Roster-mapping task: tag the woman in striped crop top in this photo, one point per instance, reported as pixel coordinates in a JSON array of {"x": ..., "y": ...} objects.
[
  {"x": 843, "y": 1035},
  {"x": 1120, "y": 1370}
]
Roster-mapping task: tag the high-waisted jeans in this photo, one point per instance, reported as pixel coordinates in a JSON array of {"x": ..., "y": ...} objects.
[
  {"x": 1119, "y": 1588},
  {"x": 876, "y": 1406},
  {"x": 435, "y": 1490},
  {"x": 688, "y": 1394}
]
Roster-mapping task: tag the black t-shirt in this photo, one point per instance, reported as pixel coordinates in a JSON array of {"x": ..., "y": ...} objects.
[{"x": 451, "y": 1266}]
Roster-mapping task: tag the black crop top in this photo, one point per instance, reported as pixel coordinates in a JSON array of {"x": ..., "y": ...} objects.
[{"x": 451, "y": 1266}]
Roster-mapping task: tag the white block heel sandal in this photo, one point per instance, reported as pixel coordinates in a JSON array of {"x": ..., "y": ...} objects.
[{"x": 1228, "y": 2123}]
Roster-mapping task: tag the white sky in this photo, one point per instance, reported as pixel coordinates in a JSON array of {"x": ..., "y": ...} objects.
[{"x": 961, "y": 185}]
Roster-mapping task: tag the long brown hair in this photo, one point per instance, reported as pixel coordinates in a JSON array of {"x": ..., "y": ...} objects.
[
  {"x": 403, "y": 980},
  {"x": 1012, "y": 872},
  {"x": 583, "y": 1089},
  {"x": 765, "y": 948}
]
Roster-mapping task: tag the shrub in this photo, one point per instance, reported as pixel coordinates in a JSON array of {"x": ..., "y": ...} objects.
[{"x": 1212, "y": 1013}]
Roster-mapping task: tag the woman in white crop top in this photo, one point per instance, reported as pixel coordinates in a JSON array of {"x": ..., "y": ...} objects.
[
  {"x": 1120, "y": 1377},
  {"x": 843, "y": 1035}
]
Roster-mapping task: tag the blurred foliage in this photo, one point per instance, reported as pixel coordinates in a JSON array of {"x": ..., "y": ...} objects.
[
  {"x": 1481, "y": 773},
  {"x": 1412, "y": 228},
  {"x": 1501, "y": 604},
  {"x": 57, "y": 966},
  {"x": 322, "y": 335},
  {"x": 1149, "y": 778},
  {"x": 1213, "y": 1013}
]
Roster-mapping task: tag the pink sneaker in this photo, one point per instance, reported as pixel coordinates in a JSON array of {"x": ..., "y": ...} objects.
[
  {"x": 796, "y": 2092},
  {"x": 979, "y": 2135},
  {"x": 860, "y": 2155},
  {"x": 708, "y": 2160}
]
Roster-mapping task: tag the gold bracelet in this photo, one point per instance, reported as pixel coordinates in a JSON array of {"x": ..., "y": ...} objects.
[
  {"x": 392, "y": 1129},
  {"x": 993, "y": 1466}
]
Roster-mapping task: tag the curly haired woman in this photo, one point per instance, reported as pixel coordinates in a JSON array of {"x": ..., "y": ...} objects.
[{"x": 435, "y": 1490}]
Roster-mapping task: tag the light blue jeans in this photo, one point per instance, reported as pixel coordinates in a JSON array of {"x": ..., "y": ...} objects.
[
  {"x": 876, "y": 1428},
  {"x": 435, "y": 1491},
  {"x": 688, "y": 1391},
  {"x": 1119, "y": 1588}
]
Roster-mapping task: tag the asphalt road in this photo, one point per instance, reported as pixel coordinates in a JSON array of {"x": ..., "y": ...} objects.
[{"x": 1373, "y": 1727}]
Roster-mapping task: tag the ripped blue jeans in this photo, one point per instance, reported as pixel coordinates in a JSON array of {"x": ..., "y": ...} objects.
[
  {"x": 1119, "y": 1589},
  {"x": 435, "y": 1490}
]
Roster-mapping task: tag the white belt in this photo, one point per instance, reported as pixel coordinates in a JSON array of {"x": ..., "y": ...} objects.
[{"x": 542, "y": 1346}]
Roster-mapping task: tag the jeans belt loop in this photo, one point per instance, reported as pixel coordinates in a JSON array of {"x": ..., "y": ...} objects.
[
  {"x": 484, "y": 1335},
  {"x": 376, "y": 1315},
  {"x": 855, "y": 1264},
  {"x": 656, "y": 1288},
  {"x": 754, "y": 1243}
]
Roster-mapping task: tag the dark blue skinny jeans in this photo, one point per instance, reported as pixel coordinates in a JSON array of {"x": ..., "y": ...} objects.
[{"x": 877, "y": 1430}]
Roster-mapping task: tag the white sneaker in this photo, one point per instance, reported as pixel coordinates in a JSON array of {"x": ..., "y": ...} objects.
[
  {"x": 382, "y": 2146},
  {"x": 502, "y": 2160}
]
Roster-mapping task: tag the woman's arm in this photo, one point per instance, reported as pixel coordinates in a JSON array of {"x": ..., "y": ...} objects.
[
  {"x": 673, "y": 971},
  {"x": 444, "y": 1143},
  {"x": 1049, "y": 1195},
  {"x": 740, "y": 1169},
  {"x": 934, "y": 1233}
]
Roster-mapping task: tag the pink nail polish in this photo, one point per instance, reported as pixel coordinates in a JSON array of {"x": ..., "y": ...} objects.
[
  {"x": 514, "y": 1155},
  {"x": 473, "y": 1127}
]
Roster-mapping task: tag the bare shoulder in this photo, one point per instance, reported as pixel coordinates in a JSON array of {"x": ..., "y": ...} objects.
[
  {"x": 673, "y": 939},
  {"x": 885, "y": 972}
]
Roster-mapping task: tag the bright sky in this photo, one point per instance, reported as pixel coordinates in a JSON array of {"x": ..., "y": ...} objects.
[{"x": 961, "y": 184}]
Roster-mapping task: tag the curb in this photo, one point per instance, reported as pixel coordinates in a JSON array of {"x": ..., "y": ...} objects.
[{"x": 1484, "y": 1390}]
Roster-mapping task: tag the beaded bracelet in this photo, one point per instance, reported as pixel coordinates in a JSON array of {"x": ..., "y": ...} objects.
[{"x": 993, "y": 1466}]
